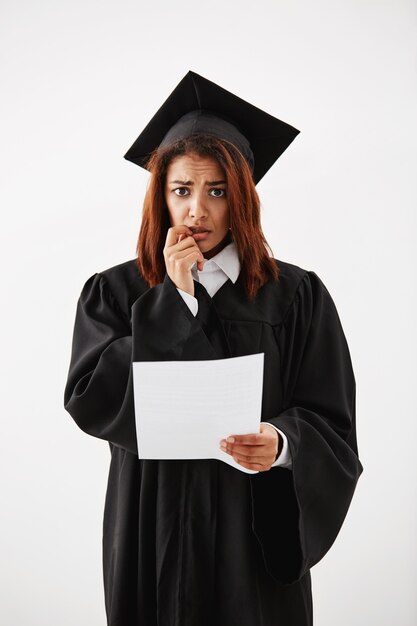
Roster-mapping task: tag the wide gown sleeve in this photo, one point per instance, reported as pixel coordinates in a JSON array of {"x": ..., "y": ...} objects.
[
  {"x": 99, "y": 389},
  {"x": 319, "y": 420}
]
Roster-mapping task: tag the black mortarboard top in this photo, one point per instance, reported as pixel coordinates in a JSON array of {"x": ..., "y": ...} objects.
[{"x": 199, "y": 105}]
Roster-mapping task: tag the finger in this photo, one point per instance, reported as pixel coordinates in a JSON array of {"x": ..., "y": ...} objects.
[
  {"x": 248, "y": 450},
  {"x": 259, "y": 467},
  {"x": 186, "y": 241},
  {"x": 181, "y": 237},
  {"x": 248, "y": 458},
  {"x": 192, "y": 253},
  {"x": 174, "y": 231},
  {"x": 253, "y": 439}
]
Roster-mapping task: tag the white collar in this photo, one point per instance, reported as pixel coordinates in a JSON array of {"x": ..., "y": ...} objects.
[{"x": 227, "y": 260}]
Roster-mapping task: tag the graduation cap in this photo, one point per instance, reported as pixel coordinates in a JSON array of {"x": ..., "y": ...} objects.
[{"x": 198, "y": 105}]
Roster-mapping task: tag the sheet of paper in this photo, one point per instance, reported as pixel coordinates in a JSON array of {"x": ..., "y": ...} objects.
[{"x": 184, "y": 408}]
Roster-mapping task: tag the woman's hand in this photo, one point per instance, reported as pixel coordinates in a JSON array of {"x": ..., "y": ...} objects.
[
  {"x": 256, "y": 451},
  {"x": 180, "y": 253}
]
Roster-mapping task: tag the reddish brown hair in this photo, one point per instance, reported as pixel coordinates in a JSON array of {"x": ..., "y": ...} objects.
[{"x": 255, "y": 255}]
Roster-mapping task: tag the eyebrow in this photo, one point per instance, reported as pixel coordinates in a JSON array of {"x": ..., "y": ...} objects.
[{"x": 190, "y": 182}]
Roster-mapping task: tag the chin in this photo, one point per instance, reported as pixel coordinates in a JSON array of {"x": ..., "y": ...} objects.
[{"x": 203, "y": 245}]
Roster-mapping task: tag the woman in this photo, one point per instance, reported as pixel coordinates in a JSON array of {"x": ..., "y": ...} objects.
[{"x": 198, "y": 542}]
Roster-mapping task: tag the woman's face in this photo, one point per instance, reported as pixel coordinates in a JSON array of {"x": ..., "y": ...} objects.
[{"x": 195, "y": 194}]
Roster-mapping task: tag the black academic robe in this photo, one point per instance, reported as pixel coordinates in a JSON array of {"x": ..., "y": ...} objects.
[{"x": 198, "y": 542}]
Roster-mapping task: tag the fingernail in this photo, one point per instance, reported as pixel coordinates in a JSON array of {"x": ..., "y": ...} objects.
[{"x": 230, "y": 439}]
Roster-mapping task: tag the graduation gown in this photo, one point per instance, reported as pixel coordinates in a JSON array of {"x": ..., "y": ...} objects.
[{"x": 198, "y": 542}]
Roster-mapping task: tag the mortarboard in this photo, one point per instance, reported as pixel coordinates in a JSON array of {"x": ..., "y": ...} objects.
[{"x": 199, "y": 105}]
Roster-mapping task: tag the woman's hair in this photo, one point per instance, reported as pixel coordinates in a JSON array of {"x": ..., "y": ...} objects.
[{"x": 255, "y": 255}]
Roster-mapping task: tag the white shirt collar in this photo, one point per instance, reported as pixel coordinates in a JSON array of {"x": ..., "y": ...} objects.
[{"x": 227, "y": 260}]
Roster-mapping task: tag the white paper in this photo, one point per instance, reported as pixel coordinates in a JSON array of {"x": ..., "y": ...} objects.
[{"x": 184, "y": 408}]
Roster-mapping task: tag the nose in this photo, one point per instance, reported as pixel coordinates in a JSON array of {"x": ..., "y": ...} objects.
[{"x": 197, "y": 208}]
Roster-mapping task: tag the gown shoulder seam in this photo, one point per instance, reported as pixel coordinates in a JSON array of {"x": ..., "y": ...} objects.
[
  {"x": 113, "y": 300},
  {"x": 297, "y": 290}
]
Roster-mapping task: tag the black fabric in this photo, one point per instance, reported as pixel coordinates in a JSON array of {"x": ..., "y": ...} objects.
[
  {"x": 199, "y": 121},
  {"x": 197, "y": 541},
  {"x": 200, "y": 105}
]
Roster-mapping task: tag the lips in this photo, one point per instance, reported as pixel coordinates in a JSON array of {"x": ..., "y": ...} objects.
[{"x": 198, "y": 229}]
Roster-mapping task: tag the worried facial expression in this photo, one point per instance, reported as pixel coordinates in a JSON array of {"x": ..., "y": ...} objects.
[{"x": 195, "y": 194}]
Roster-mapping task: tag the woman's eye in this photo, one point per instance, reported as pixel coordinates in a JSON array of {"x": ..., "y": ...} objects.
[
  {"x": 183, "y": 191},
  {"x": 221, "y": 194}
]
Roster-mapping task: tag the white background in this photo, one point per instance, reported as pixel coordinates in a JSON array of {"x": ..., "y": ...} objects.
[{"x": 80, "y": 80}]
